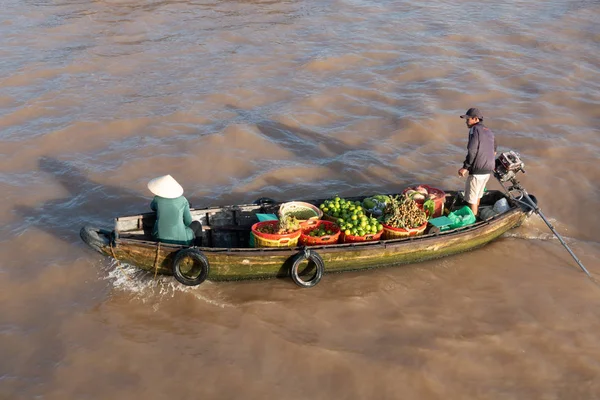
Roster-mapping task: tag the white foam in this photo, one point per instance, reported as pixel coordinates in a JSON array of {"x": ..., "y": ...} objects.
[
  {"x": 536, "y": 229},
  {"x": 145, "y": 287}
]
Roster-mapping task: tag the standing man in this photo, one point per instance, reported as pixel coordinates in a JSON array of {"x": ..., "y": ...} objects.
[{"x": 480, "y": 160}]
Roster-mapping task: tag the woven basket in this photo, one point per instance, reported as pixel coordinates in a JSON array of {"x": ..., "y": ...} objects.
[
  {"x": 398, "y": 233},
  {"x": 301, "y": 210},
  {"x": 270, "y": 240}
]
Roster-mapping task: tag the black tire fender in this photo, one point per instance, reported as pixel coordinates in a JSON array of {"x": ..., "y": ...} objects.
[
  {"x": 309, "y": 255},
  {"x": 264, "y": 200},
  {"x": 197, "y": 256},
  {"x": 526, "y": 207},
  {"x": 96, "y": 238},
  {"x": 533, "y": 198}
]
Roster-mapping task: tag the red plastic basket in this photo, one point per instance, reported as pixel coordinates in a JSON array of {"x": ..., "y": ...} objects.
[
  {"x": 354, "y": 239},
  {"x": 440, "y": 199},
  {"x": 329, "y": 218},
  {"x": 308, "y": 226}
]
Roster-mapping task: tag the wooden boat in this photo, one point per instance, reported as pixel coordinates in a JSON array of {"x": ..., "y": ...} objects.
[{"x": 226, "y": 254}]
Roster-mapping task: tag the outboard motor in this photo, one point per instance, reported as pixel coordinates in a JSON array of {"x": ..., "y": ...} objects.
[{"x": 508, "y": 164}]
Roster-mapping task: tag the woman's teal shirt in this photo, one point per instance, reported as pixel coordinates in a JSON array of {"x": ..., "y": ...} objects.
[{"x": 172, "y": 220}]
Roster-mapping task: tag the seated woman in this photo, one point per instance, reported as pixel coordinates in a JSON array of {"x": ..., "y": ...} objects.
[{"x": 173, "y": 219}]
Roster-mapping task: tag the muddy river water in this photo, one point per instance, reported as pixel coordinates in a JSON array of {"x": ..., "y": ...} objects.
[{"x": 295, "y": 99}]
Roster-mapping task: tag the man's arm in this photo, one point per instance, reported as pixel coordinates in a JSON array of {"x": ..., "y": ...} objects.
[{"x": 472, "y": 149}]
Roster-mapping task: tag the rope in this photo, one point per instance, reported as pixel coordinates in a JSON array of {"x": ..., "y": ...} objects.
[
  {"x": 156, "y": 260},
  {"x": 306, "y": 252},
  {"x": 112, "y": 253}
]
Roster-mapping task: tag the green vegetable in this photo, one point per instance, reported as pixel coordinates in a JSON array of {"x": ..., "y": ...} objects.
[{"x": 429, "y": 208}]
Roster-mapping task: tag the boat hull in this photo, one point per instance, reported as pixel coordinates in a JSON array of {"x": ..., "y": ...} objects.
[{"x": 248, "y": 263}]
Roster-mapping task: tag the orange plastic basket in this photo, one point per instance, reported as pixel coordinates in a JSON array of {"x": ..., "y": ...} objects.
[
  {"x": 310, "y": 225},
  {"x": 268, "y": 240},
  {"x": 329, "y": 218},
  {"x": 366, "y": 238}
]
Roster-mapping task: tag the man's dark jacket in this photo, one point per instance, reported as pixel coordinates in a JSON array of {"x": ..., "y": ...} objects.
[{"x": 480, "y": 150}]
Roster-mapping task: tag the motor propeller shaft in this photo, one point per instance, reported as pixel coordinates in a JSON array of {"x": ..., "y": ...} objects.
[{"x": 507, "y": 166}]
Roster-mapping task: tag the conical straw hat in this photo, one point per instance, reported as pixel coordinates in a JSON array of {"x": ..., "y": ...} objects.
[{"x": 165, "y": 186}]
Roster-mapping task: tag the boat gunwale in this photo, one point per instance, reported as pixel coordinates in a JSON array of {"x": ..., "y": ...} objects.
[{"x": 332, "y": 248}]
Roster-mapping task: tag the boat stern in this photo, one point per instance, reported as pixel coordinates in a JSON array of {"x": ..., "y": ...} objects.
[{"x": 97, "y": 239}]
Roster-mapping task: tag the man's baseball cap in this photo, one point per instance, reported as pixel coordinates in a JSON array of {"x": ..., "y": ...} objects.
[{"x": 473, "y": 112}]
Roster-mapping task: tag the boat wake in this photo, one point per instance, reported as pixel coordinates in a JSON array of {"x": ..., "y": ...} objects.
[
  {"x": 146, "y": 288},
  {"x": 536, "y": 229},
  {"x": 531, "y": 235}
]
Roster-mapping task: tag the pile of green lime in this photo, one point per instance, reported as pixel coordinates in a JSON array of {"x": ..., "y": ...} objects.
[
  {"x": 320, "y": 232},
  {"x": 350, "y": 217}
]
